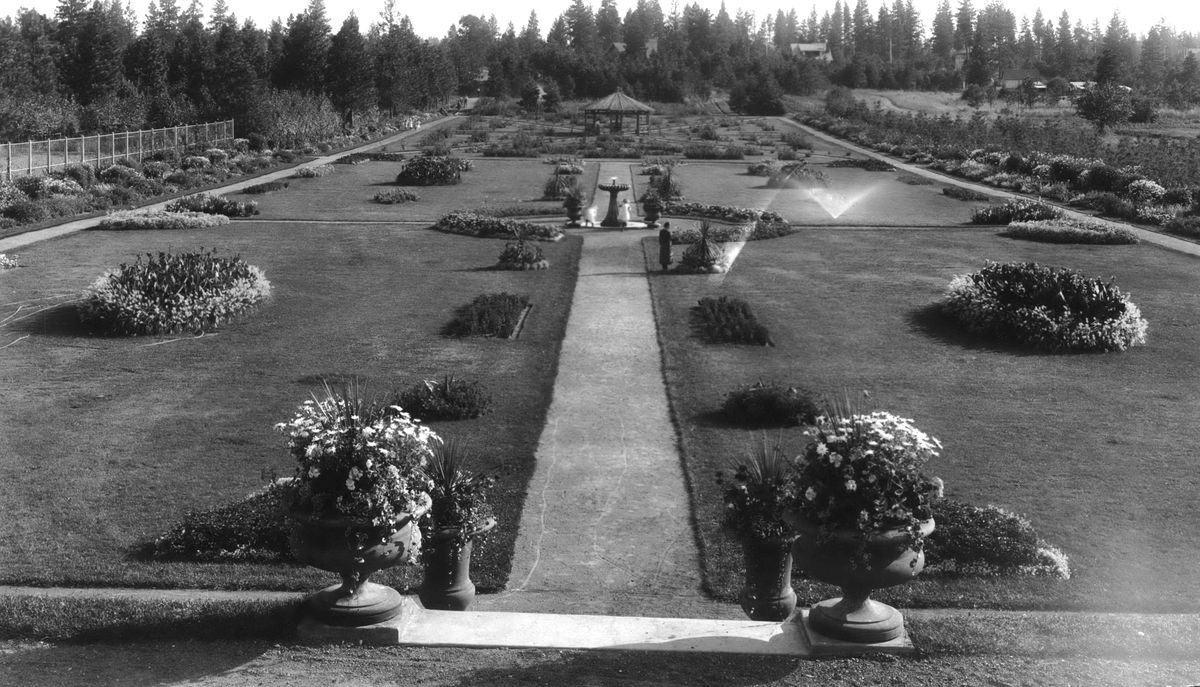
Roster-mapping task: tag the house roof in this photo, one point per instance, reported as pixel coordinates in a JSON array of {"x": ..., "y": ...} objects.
[
  {"x": 618, "y": 102},
  {"x": 809, "y": 47}
]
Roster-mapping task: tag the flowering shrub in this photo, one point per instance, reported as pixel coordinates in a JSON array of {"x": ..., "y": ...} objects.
[
  {"x": 722, "y": 212},
  {"x": 448, "y": 398},
  {"x": 522, "y": 256},
  {"x": 196, "y": 162},
  {"x": 477, "y": 224},
  {"x": 53, "y": 186},
  {"x": 172, "y": 293},
  {"x": 360, "y": 462},
  {"x": 989, "y": 541},
  {"x": 1070, "y": 231},
  {"x": 430, "y": 170},
  {"x": 1020, "y": 210},
  {"x": 8, "y": 262},
  {"x": 213, "y": 205},
  {"x": 1051, "y": 309},
  {"x": 395, "y": 196},
  {"x": 216, "y": 155},
  {"x": 121, "y": 174},
  {"x": 10, "y": 195},
  {"x": 863, "y": 472},
  {"x": 313, "y": 172},
  {"x": 1145, "y": 191},
  {"x": 161, "y": 219}
]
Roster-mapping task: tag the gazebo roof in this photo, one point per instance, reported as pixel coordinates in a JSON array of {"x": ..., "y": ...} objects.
[{"x": 618, "y": 102}]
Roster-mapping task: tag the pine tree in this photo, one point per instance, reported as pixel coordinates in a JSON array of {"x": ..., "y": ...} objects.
[{"x": 347, "y": 77}]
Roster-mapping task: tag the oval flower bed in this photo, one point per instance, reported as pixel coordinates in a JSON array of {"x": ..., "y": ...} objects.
[
  {"x": 1070, "y": 231},
  {"x": 485, "y": 226},
  {"x": 1048, "y": 308},
  {"x": 172, "y": 293}
]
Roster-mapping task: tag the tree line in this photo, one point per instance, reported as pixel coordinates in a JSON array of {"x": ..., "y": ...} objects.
[{"x": 93, "y": 67}]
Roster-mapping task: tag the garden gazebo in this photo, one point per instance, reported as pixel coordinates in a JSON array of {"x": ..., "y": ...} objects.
[{"x": 617, "y": 106}]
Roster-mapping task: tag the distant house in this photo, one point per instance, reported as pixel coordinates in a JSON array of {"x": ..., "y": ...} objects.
[
  {"x": 1013, "y": 78},
  {"x": 816, "y": 51},
  {"x": 651, "y": 47}
]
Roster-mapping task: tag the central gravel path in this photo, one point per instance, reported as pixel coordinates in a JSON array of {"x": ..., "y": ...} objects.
[{"x": 606, "y": 526}]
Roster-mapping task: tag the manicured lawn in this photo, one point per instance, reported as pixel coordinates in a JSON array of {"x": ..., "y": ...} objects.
[
  {"x": 107, "y": 442},
  {"x": 1095, "y": 449}
]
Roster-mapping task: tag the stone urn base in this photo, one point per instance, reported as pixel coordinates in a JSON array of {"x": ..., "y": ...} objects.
[
  {"x": 861, "y": 620},
  {"x": 346, "y": 606}
]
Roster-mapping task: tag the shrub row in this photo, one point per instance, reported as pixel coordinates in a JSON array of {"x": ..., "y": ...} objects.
[
  {"x": 1050, "y": 309},
  {"x": 756, "y": 231},
  {"x": 161, "y": 219},
  {"x": 171, "y": 293},
  {"x": 1070, "y": 231},
  {"x": 313, "y": 172}
]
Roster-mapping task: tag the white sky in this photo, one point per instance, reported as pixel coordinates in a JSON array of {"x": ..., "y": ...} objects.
[{"x": 435, "y": 18}]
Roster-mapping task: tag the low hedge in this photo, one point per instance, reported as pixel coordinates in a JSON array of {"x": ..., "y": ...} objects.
[
  {"x": 1047, "y": 308},
  {"x": 169, "y": 293},
  {"x": 396, "y": 196},
  {"x": 487, "y": 226},
  {"x": 762, "y": 404},
  {"x": 1070, "y": 231},
  {"x": 869, "y": 164},
  {"x": 489, "y": 315},
  {"x": 960, "y": 193},
  {"x": 161, "y": 219},
  {"x": 266, "y": 187},
  {"x": 1020, "y": 210}
]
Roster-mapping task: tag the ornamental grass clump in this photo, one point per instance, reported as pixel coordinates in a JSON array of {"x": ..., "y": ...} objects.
[
  {"x": 168, "y": 293},
  {"x": 772, "y": 404},
  {"x": 1044, "y": 307},
  {"x": 1068, "y": 230},
  {"x": 1020, "y": 210},
  {"x": 361, "y": 463},
  {"x": 213, "y": 205},
  {"x": 460, "y": 506},
  {"x": 161, "y": 219},
  {"x": 448, "y": 398},
  {"x": 757, "y": 493},
  {"x": 729, "y": 320},
  {"x": 489, "y": 315},
  {"x": 865, "y": 473}
]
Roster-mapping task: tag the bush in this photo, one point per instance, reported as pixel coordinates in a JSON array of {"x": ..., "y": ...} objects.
[
  {"x": 161, "y": 219},
  {"x": 430, "y": 170},
  {"x": 989, "y": 541},
  {"x": 729, "y": 320},
  {"x": 266, "y": 187},
  {"x": 1020, "y": 210},
  {"x": 761, "y": 405},
  {"x": 490, "y": 315},
  {"x": 395, "y": 196},
  {"x": 84, "y": 175},
  {"x": 255, "y": 529},
  {"x": 797, "y": 175},
  {"x": 256, "y": 141},
  {"x": 1101, "y": 177},
  {"x": 449, "y": 398},
  {"x": 869, "y": 164},
  {"x": 485, "y": 226},
  {"x": 313, "y": 172},
  {"x": 172, "y": 293},
  {"x": 26, "y": 211},
  {"x": 560, "y": 186},
  {"x": 1184, "y": 226},
  {"x": 1108, "y": 204},
  {"x": 1070, "y": 231},
  {"x": 522, "y": 256},
  {"x": 960, "y": 193},
  {"x": 709, "y": 151},
  {"x": 1051, "y": 309},
  {"x": 213, "y": 205}
]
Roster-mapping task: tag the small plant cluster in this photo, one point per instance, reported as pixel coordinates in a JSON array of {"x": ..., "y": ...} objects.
[
  {"x": 460, "y": 505},
  {"x": 757, "y": 493},
  {"x": 254, "y": 529},
  {"x": 864, "y": 472},
  {"x": 560, "y": 186},
  {"x": 432, "y": 170},
  {"x": 796, "y": 175},
  {"x": 519, "y": 210},
  {"x": 729, "y": 320},
  {"x": 360, "y": 158},
  {"x": 214, "y": 205},
  {"x": 1019, "y": 210},
  {"x": 566, "y": 165},
  {"x": 396, "y": 196},
  {"x": 712, "y": 151},
  {"x": 170, "y": 293},
  {"x": 266, "y": 187},
  {"x": 869, "y": 164},
  {"x": 705, "y": 256},
  {"x": 8, "y": 262},
  {"x": 728, "y": 213},
  {"x": 520, "y": 255},
  {"x": 769, "y": 404},
  {"x": 160, "y": 219},
  {"x": 988, "y": 540},
  {"x": 490, "y": 315},
  {"x": 1047, "y": 308},
  {"x": 313, "y": 172},
  {"x": 448, "y": 398},
  {"x": 961, "y": 193},
  {"x": 360, "y": 462},
  {"x": 488, "y": 226},
  {"x": 1070, "y": 231},
  {"x": 662, "y": 184}
]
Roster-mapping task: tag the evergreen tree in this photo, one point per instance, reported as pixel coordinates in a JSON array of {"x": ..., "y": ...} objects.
[
  {"x": 305, "y": 51},
  {"x": 347, "y": 77}
]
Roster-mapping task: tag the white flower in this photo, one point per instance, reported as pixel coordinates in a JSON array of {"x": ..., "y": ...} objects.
[
  {"x": 314, "y": 472},
  {"x": 822, "y": 449},
  {"x": 811, "y": 494},
  {"x": 941, "y": 486},
  {"x": 835, "y": 460},
  {"x": 850, "y": 485}
]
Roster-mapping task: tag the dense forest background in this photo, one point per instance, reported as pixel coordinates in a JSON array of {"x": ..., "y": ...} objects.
[{"x": 94, "y": 67}]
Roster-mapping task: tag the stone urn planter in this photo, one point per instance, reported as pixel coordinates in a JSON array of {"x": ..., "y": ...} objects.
[
  {"x": 574, "y": 208},
  {"x": 447, "y": 584},
  {"x": 839, "y": 560},
  {"x": 651, "y": 211},
  {"x": 768, "y": 593},
  {"x": 329, "y": 544}
]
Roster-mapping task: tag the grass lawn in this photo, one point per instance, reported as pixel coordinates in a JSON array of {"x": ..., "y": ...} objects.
[
  {"x": 1095, "y": 449},
  {"x": 346, "y": 194},
  {"x": 107, "y": 441}
]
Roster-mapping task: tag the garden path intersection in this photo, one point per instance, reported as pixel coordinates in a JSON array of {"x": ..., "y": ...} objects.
[{"x": 605, "y": 540}]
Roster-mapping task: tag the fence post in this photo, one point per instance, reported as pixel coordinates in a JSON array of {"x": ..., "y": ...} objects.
[
  {"x": 29, "y": 158},
  {"x": 8, "y": 166},
  {"x": 47, "y": 156},
  {"x": 141, "y": 154}
]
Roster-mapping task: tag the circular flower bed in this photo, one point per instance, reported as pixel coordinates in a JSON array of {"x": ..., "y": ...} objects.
[{"x": 1048, "y": 308}]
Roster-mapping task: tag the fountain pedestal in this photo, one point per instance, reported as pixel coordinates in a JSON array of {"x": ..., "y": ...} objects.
[{"x": 613, "y": 188}]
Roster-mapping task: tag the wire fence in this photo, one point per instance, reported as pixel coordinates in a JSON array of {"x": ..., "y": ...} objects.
[{"x": 41, "y": 157}]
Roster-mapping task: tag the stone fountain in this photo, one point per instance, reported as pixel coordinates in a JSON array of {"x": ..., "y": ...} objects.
[{"x": 613, "y": 188}]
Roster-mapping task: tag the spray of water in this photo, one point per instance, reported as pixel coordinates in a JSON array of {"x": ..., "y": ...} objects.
[{"x": 837, "y": 203}]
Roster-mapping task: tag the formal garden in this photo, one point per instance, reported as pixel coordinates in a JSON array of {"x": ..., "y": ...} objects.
[{"x": 1052, "y": 359}]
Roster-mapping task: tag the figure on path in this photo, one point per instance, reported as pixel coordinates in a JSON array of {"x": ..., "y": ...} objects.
[
  {"x": 589, "y": 217},
  {"x": 664, "y": 245},
  {"x": 625, "y": 212}
]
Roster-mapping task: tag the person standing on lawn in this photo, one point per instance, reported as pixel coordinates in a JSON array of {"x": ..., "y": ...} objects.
[{"x": 664, "y": 245}]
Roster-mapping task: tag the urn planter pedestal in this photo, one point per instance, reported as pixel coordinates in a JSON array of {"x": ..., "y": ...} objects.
[
  {"x": 447, "y": 584},
  {"x": 768, "y": 593},
  {"x": 836, "y": 559},
  {"x": 327, "y": 544}
]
